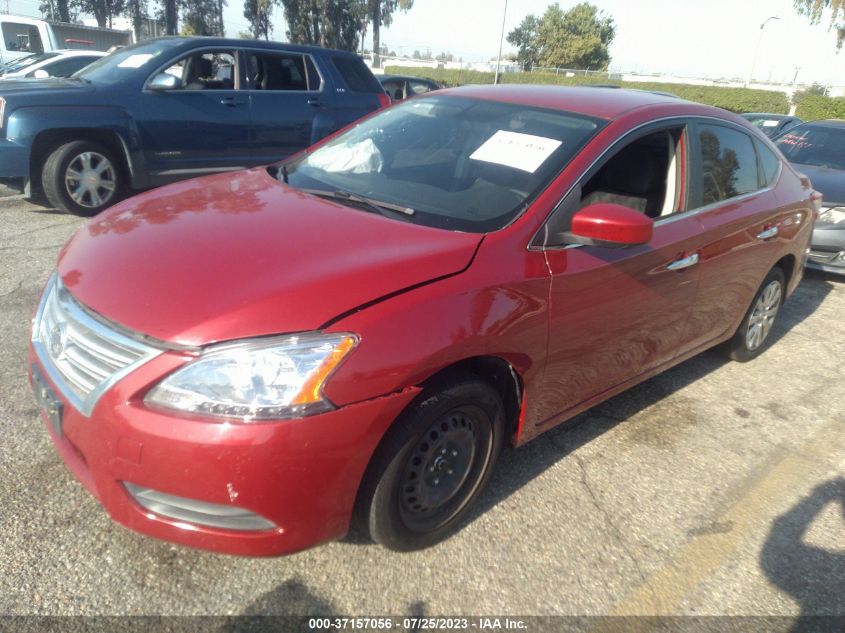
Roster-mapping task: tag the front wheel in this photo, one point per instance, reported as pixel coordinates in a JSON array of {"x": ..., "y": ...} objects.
[
  {"x": 82, "y": 177},
  {"x": 753, "y": 334},
  {"x": 432, "y": 465}
]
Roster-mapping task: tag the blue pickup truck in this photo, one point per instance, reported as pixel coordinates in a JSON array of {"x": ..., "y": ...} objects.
[{"x": 173, "y": 108}]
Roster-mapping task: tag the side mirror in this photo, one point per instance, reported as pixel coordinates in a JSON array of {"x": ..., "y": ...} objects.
[
  {"x": 164, "y": 81},
  {"x": 607, "y": 224},
  {"x": 41, "y": 74}
]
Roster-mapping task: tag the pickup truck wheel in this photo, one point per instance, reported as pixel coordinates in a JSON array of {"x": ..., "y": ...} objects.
[
  {"x": 82, "y": 177},
  {"x": 753, "y": 333},
  {"x": 432, "y": 465}
]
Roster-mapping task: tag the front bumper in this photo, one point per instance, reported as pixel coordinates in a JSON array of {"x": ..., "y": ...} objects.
[
  {"x": 827, "y": 250},
  {"x": 301, "y": 475}
]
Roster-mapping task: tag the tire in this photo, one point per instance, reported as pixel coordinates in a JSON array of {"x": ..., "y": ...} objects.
[
  {"x": 82, "y": 177},
  {"x": 753, "y": 334},
  {"x": 432, "y": 464}
]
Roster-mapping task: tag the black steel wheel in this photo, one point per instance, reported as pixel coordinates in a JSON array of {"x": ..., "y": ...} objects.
[{"x": 432, "y": 464}]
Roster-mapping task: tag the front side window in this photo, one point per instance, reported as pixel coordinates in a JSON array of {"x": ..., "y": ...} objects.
[
  {"x": 459, "y": 163},
  {"x": 207, "y": 70},
  {"x": 817, "y": 145},
  {"x": 728, "y": 163}
]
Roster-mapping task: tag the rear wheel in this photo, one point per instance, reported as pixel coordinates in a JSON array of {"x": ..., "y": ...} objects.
[
  {"x": 82, "y": 177},
  {"x": 753, "y": 334},
  {"x": 432, "y": 465}
]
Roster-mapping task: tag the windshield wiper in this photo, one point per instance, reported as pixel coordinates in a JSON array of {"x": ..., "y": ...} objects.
[{"x": 375, "y": 205}]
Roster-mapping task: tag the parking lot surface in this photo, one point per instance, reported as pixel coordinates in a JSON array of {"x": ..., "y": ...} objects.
[{"x": 715, "y": 488}]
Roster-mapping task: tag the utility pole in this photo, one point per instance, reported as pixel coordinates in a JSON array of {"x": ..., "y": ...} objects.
[{"x": 501, "y": 40}]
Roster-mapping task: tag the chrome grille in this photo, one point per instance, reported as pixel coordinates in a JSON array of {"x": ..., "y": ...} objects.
[{"x": 82, "y": 355}]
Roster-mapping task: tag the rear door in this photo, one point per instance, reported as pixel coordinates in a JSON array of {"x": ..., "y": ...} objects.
[
  {"x": 203, "y": 125},
  {"x": 741, "y": 219},
  {"x": 285, "y": 96}
]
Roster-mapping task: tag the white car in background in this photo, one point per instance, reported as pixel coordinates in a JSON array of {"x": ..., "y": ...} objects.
[{"x": 60, "y": 63}]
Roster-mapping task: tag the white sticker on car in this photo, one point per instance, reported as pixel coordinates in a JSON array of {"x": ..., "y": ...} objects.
[
  {"x": 135, "y": 61},
  {"x": 520, "y": 151},
  {"x": 770, "y": 123}
]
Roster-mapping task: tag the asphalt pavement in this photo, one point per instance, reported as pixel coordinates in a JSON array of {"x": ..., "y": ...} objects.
[{"x": 717, "y": 488}]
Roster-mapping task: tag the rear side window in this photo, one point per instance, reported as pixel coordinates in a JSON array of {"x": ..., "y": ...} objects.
[
  {"x": 356, "y": 75},
  {"x": 22, "y": 37},
  {"x": 728, "y": 163},
  {"x": 769, "y": 164},
  {"x": 282, "y": 71}
]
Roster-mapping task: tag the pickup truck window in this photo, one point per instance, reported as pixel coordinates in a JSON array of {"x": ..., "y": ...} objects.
[{"x": 22, "y": 37}]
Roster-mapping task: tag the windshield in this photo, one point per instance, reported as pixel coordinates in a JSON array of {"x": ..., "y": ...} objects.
[
  {"x": 29, "y": 60},
  {"x": 817, "y": 145},
  {"x": 116, "y": 66},
  {"x": 458, "y": 163}
]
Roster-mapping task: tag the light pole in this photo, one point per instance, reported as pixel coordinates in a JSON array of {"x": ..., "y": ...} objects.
[
  {"x": 757, "y": 50},
  {"x": 501, "y": 40}
]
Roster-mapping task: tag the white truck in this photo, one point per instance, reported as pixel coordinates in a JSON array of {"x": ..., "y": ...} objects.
[{"x": 25, "y": 36}]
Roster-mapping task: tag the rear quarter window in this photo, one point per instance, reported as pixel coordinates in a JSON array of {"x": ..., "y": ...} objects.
[
  {"x": 769, "y": 164},
  {"x": 356, "y": 75}
]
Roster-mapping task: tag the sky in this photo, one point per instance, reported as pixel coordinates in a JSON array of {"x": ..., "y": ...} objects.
[{"x": 688, "y": 38}]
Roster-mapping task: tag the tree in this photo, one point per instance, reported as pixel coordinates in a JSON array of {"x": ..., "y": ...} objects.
[
  {"x": 578, "y": 38},
  {"x": 329, "y": 23},
  {"x": 380, "y": 13},
  {"x": 524, "y": 37},
  {"x": 169, "y": 14},
  {"x": 56, "y": 10},
  {"x": 201, "y": 17},
  {"x": 815, "y": 11},
  {"x": 136, "y": 11},
  {"x": 104, "y": 11},
  {"x": 258, "y": 13}
]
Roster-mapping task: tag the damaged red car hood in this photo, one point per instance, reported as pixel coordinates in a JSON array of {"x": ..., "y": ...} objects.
[{"x": 241, "y": 255}]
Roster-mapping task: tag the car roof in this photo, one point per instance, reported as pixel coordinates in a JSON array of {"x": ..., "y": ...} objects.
[
  {"x": 827, "y": 123},
  {"x": 596, "y": 102},
  {"x": 388, "y": 77},
  {"x": 71, "y": 52},
  {"x": 250, "y": 43},
  {"x": 770, "y": 115}
]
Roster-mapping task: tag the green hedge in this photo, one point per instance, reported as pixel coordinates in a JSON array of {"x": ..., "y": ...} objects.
[
  {"x": 817, "y": 107},
  {"x": 734, "y": 99}
]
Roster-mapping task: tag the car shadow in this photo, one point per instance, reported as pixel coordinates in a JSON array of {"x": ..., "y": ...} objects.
[
  {"x": 518, "y": 467},
  {"x": 812, "y": 576}
]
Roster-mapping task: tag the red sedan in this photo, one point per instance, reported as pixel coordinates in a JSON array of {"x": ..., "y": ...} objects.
[{"x": 247, "y": 362}]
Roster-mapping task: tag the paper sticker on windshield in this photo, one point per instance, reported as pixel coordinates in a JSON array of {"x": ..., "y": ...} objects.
[
  {"x": 770, "y": 123},
  {"x": 135, "y": 61},
  {"x": 520, "y": 151}
]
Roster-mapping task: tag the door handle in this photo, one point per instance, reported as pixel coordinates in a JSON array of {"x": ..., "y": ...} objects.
[
  {"x": 768, "y": 233},
  {"x": 232, "y": 102},
  {"x": 684, "y": 262},
  {"x": 314, "y": 101}
]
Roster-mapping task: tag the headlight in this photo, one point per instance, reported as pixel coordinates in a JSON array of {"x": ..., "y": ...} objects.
[
  {"x": 833, "y": 215},
  {"x": 257, "y": 379}
]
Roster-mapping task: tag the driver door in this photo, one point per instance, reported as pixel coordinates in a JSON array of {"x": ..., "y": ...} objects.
[
  {"x": 616, "y": 313},
  {"x": 201, "y": 126}
]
